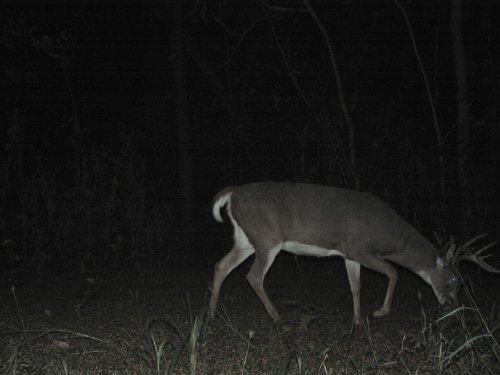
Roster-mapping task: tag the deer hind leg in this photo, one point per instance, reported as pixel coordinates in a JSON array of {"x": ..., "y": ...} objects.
[
  {"x": 260, "y": 266},
  {"x": 353, "y": 273},
  {"x": 241, "y": 250}
]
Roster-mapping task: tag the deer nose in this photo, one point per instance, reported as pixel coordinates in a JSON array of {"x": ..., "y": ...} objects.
[
  {"x": 448, "y": 307},
  {"x": 450, "y": 303}
]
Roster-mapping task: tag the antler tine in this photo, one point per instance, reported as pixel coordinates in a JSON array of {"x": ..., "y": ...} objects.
[
  {"x": 476, "y": 256},
  {"x": 480, "y": 251},
  {"x": 475, "y": 239}
]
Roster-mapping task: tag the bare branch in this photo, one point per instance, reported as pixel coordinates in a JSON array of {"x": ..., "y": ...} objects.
[
  {"x": 437, "y": 129},
  {"x": 241, "y": 35},
  {"x": 290, "y": 69},
  {"x": 284, "y": 9}
]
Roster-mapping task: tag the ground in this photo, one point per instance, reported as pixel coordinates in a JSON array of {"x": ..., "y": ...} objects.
[{"x": 137, "y": 322}]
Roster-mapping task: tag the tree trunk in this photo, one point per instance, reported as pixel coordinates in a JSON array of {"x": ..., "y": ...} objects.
[
  {"x": 182, "y": 116},
  {"x": 462, "y": 112},
  {"x": 340, "y": 92},
  {"x": 435, "y": 120}
]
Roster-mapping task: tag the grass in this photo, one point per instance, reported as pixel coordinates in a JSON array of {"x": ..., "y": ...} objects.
[{"x": 152, "y": 331}]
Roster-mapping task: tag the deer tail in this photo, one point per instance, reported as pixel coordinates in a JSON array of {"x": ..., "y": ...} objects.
[{"x": 220, "y": 200}]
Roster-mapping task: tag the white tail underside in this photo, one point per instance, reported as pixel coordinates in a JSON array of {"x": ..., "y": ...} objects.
[{"x": 225, "y": 199}]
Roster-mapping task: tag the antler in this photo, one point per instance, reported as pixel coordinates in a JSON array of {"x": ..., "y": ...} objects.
[{"x": 467, "y": 252}]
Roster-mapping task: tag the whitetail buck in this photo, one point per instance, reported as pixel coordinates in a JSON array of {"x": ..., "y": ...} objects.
[{"x": 324, "y": 221}]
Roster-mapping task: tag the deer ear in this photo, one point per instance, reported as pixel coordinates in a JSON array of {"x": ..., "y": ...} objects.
[
  {"x": 448, "y": 250},
  {"x": 450, "y": 253}
]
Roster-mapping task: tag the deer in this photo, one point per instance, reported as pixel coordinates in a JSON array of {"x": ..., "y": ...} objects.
[{"x": 323, "y": 221}]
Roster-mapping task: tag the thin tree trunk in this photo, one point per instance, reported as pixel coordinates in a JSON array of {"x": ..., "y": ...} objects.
[
  {"x": 462, "y": 111},
  {"x": 182, "y": 117},
  {"x": 437, "y": 129},
  {"x": 340, "y": 92}
]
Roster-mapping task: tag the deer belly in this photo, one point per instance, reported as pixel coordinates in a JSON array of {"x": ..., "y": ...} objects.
[{"x": 298, "y": 248}]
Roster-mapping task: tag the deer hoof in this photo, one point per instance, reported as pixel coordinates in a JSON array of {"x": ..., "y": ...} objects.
[
  {"x": 380, "y": 313},
  {"x": 357, "y": 321}
]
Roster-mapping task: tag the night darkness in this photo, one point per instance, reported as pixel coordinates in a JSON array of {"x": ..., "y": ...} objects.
[{"x": 121, "y": 120}]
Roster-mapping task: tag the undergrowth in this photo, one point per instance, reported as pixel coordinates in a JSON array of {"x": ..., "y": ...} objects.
[{"x": 463, "y": 341}]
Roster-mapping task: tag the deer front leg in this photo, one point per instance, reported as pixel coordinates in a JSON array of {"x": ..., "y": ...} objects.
[
  {"x": 392, "y": 274},
  {"x": 353, "y": 273},
  {"x": 377, "y": 264}
]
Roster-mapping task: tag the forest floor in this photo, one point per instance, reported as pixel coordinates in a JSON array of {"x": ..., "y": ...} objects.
[{"x": 136, "y": 322}]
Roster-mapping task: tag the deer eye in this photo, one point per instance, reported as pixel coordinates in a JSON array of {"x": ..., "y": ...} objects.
[{"x": 452, "y": 280}]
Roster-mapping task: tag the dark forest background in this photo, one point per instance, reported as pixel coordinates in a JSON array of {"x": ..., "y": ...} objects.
[{"x": 121, "y": 120}]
